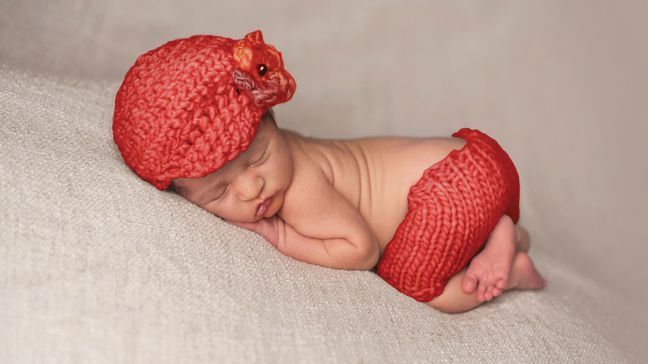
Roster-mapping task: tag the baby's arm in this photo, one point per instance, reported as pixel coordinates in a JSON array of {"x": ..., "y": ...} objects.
[
  {"x": 342, "y": 253},
  {"x": 324, "y": 229}
]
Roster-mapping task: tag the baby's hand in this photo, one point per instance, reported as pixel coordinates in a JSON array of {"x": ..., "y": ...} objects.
[{"x": 271, "y": 228}]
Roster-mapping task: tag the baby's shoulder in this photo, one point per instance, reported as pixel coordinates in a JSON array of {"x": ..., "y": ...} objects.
[{"x": 309, "y": 196}]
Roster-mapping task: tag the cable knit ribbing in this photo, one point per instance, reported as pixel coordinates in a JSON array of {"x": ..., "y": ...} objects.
[{"x": 451, "y": 211}]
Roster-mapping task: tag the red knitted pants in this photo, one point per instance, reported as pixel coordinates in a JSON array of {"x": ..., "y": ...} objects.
[{"x": 451, "y": 211}]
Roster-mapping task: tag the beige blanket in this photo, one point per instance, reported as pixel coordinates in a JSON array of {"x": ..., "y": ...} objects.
[{"x": 98, "y": 266}]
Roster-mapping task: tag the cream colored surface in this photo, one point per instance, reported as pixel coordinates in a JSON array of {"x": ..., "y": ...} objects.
[{"x": 96, "y": 265}]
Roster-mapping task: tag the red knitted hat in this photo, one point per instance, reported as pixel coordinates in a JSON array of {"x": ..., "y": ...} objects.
[{"x": 191, "y": 105}]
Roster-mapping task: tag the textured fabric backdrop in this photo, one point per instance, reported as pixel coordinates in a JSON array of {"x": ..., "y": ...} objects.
[{"x": 98, "y": 265}]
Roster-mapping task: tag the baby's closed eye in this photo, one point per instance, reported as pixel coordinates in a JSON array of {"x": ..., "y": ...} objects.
[
  {"x": 259, "y": 160},
  {"x": 220, "y": 192}
]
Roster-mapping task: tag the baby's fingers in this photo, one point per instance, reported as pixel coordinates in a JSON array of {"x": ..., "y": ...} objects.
[{"x": 263, "y": 227}]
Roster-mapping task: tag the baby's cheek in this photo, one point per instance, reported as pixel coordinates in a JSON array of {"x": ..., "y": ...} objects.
[
  {"x": 223, "y": 213},
  {"x": 213, "y": 212}
]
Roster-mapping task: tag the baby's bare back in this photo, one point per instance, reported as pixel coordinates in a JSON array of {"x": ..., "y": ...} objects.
[{"x": 373, "y": 174}]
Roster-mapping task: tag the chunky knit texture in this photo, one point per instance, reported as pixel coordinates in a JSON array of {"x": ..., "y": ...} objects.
[
  {"x": 451, "y": 211},
  {"x": 191, "y": 105}
]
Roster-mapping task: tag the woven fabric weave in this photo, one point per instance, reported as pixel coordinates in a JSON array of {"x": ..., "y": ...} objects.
[{"x": 451, "y": 211}]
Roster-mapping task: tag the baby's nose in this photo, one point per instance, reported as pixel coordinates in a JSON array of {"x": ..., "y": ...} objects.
[{"x": 249, "y": 187}]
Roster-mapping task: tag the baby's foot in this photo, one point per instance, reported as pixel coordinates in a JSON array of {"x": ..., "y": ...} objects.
[
  {"x": 489, "y": 270},
  {"x": 524, "y": 275},
  {"x": 522, "y": 236}
]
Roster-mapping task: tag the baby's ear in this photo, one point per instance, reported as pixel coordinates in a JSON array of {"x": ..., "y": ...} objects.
[
  {"x": 174, "y": 188},
  {"x": 269, "y": 117},
  {"x": 269, "y": 114}
]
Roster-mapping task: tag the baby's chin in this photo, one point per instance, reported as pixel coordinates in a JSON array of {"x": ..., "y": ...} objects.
[
  {"x": 259, "y": 218},
  {"x": 266, "y": 215}
]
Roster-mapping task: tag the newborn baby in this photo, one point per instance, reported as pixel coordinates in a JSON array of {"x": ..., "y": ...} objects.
[
  {"x": 416, "y": 209},
  {"x": 338, "y": 203}
]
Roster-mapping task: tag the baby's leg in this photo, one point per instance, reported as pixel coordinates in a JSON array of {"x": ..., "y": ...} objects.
[
  {"x": 488, "y": 271},
  {"x": 454, "y": 299},
  {"x": 522, "y": 239}
]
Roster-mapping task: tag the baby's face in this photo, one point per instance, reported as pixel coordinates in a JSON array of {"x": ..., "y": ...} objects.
[{"x": 250, "y": 187}]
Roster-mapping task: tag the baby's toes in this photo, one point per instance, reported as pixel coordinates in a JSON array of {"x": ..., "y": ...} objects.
[
  {"x": 469, "y": 283},
  {"x": 497, "y": 291},
  {"x": 501, "y": 283},
  {"x": 488, "y": 295},
  {"x": 481, "y": 291}
]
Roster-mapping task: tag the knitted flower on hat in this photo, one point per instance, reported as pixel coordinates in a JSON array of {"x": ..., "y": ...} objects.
[{"x": 191, "y": 105}]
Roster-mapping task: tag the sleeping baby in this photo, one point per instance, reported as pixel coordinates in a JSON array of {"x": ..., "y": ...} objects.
[{"x": 434, "y": 217}]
